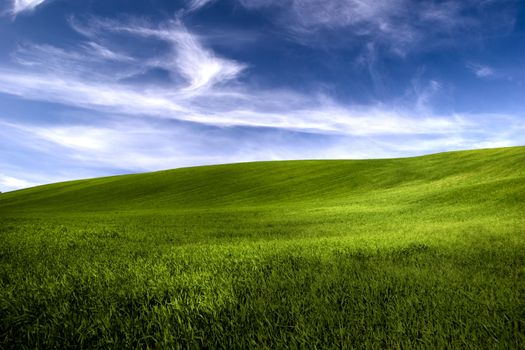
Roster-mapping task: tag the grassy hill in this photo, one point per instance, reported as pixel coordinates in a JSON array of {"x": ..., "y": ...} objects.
[
  {"x": 278, "y": 183},
  {"x": 413, "y": 252}
]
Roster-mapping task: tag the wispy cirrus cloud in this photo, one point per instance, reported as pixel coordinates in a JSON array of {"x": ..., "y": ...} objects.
[
  {"x": 480, "y": 70},
  {"x": 185, "y": 56},
  {"x": 209, "y": 92},
  {"x": 88, "y": 59},
  {"x": 194, "y": 5},
  {"x": 226, "y": 108},
  {"x": 143, "y": 146},
  {"x": 19, "y": 6},
  {"x": 398, "y": 25},
  {"x": 200, "y": 66},
  {"x": 12, "y": 183}
]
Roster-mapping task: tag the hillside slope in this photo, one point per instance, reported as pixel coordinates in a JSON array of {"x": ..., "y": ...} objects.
[
  {"x": 424, "y": 252},
  {"x": 488, "y": 175}
]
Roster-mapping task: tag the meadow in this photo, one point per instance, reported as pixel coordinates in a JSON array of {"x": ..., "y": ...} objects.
[{"x": 424, "y": 252}]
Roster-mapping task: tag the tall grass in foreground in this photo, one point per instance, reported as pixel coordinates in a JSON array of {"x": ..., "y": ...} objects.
[{"x": 431, "y": 256}]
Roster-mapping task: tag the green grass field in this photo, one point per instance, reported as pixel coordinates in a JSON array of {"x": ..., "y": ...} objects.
[{"x": 425, "y": 252}]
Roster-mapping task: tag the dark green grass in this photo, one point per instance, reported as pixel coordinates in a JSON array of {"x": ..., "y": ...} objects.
[{"x": 425, "y": 252}]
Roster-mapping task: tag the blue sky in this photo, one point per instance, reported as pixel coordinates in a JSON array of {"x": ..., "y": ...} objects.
[{"x": 99, "y": 87}]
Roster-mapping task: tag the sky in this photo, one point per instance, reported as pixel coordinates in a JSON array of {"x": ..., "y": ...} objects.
[{"x": 92, "y": 88}]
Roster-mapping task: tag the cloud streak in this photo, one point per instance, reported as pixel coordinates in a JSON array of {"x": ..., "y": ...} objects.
[
  {"x": 225, "y": 108},
  {"x": 20, "y": 6},
  {"x": 11, "y": 183},
  {"x": 194, "y": 5},
  {"x": 186, "y": 56},
  {"x": 480, "y": 70},
  {"x": 398, "y": 25},
  {"x": 208, "y": 94}
]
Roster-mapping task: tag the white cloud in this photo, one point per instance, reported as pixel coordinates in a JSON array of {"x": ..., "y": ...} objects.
[
  {"x": 97, "y": 50},
  {"x": 10, "y": 183},
  {"x": 198, "y": 4},
  {"x": 72, "y": 91},
  {"x": 363, "y": 18},
  {"x": 187, "y": 57},
  {"x": 227, "y": 109},
  {"x": 78, "y": 138},
  {"x": 480, "y": 70},
  {"x": 425, "y": 94},
  {"x": 25, "y": 5},
  {"x": 209, "y": 93},
  {"x": 200, "y": 66},
  {"x": 398, "y": 25}
]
